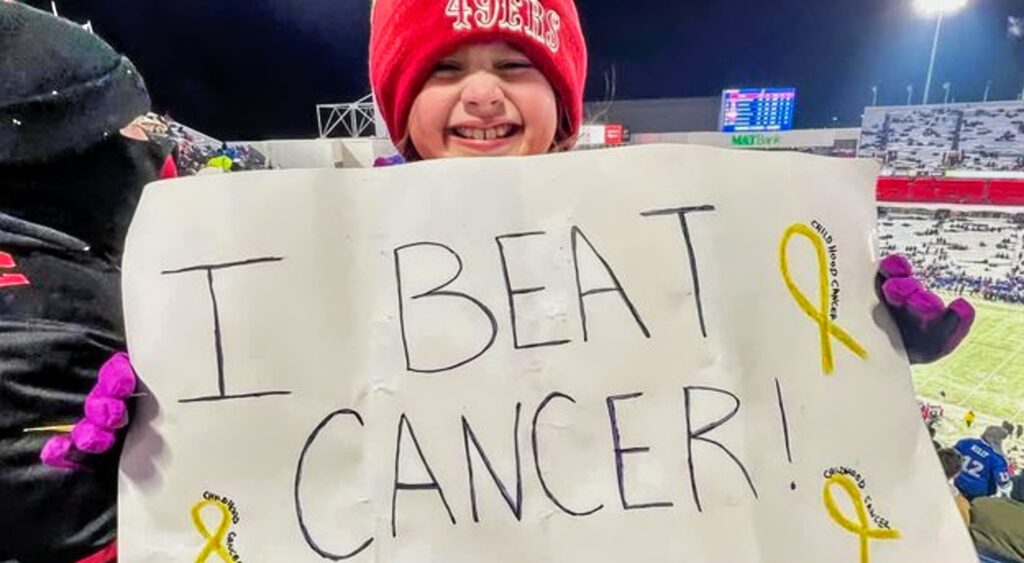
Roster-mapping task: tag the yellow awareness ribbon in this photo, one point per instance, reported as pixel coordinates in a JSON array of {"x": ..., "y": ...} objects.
[
  {"x": 214, "y": 543},
  {"x": 826, "y": 328},
  {"x": 862, "y": 527}
]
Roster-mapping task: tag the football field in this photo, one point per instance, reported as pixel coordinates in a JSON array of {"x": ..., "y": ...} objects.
[{"x": 986, "y": 373}]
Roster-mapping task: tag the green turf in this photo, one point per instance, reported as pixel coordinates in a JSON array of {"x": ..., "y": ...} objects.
[{"x": 986, "y": 374}]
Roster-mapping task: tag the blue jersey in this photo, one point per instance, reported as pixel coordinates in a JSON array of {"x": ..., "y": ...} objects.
[{"x": 984, "y": 470}]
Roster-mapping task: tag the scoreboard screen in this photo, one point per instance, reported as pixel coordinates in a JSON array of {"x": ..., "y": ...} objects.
[{"x": 758, "y": 109}]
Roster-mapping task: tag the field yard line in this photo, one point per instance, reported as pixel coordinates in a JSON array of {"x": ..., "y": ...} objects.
[
  {"x": 1020, "y": 409},
  {"x": 921, "y": 381},
  {"x": 992, "y": 373},
  {"x": 941, "y": 375},
  {"x": 1016, "y": 414}
]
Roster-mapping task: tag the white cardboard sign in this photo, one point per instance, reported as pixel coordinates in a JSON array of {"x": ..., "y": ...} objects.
[{"x": 591, "y": 357}]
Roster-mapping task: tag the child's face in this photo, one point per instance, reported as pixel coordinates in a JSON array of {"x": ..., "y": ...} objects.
[{"x": 484, "y": 99}]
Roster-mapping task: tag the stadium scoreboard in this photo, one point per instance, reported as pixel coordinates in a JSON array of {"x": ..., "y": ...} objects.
[{"x": 757, "y": 109}]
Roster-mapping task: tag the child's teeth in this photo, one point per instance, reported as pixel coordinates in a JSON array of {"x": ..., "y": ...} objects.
[{"x": 484, "y": 134}]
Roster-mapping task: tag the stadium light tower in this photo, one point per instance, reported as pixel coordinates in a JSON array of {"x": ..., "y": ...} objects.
[{"x": 939, "y": 9}]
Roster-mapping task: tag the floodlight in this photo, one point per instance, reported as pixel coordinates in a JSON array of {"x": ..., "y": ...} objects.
[{"x": 937, "y": 7}]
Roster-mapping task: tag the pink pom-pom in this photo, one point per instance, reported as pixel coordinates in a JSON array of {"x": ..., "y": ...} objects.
[
  {"x": 56, "y": 453},
  {"x": 926, "y": 305},
  {"x": 897, "y": 291},
  {"x": 92, "y": 439},
  {"x": 896, "y": 266},
  {"x": 105, "y": 411},
  {"x": 116, "y": 378}
]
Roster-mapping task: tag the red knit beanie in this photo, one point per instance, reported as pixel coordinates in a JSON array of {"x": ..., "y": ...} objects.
[{"x": 408, "y": 37}]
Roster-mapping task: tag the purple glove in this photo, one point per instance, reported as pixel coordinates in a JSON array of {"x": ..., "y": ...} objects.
[
  {"x": 384, "y": 161},
  {"x": 929, "y": 328},
  {"x": 105, "y": 412}
]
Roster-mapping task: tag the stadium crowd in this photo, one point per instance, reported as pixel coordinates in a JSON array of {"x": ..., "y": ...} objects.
[
  {"x": 987, "y": 485},
  {"x": 979, "y": 254},
  {"x": 193, "y": 151},
  {"x": 929, "y": 140}
]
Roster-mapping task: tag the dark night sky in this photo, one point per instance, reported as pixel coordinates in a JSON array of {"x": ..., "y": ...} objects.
[{"x": 254, "y": 69}]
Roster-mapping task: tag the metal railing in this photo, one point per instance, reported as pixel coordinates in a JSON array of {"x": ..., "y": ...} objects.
[{"x": 353, "y": 119}]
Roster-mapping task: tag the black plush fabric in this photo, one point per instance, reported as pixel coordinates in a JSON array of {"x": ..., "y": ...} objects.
[
  {"x": 62, "y": 89},
  {"x": 63, "y": 222},
  {"x": 54, "y": 334},
  {"x": 90, "y": 195},
  {"x": 69, "y": 185}
]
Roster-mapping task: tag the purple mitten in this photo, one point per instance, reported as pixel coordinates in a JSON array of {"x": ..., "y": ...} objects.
[
  {"x": 105, "y": 411},
  {"x": 91, "y": 438},
  {"x": 929, "y": 328},
  {"x": 911, "y": 294},
  {"x": 383, "y": 161},
  {"x": 57, "y": 453},
  {"x": 117, "y": 378}
]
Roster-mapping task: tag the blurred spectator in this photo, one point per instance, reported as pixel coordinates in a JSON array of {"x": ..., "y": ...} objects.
[
  {"x": 193, "y": 150},
  {"x": 221, "y": 161},
  {"x": 984, "y": 470},
  {"x": 951, "y": 461},
  {"x": 997, "y": 525}
]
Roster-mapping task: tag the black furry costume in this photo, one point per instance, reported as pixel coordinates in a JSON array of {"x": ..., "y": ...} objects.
[{"x": 69, "y": 184}]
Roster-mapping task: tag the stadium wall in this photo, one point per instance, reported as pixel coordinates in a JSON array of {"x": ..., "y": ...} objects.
[
  {"x": 663, "y": 115},
  {"x": 323, "y": 153},
  {"x": 779, "y": 140},
  {"x": 990, "y": 191},
  {"x": 301, "y": 153}
]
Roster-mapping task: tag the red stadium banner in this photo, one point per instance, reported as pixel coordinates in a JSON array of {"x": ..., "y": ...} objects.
[
  {"x": 613, "y": 134},
  {"x": 950, "y": 190}
]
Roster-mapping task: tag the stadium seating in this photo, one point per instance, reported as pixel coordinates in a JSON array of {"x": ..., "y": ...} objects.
[
  {"x": 980, "y": 253},
  {"x": 929, "y": 140},
  {"x": 950, "y": 190},
  {"x": 1005, "y": 192},
  {"x": 193, "y": 149}
]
